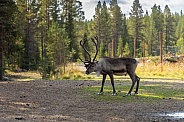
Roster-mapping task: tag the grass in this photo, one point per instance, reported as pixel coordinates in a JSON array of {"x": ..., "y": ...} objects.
[
  {"x": 23, "y": 76},
  {"x": 148, "y": 92},
  {"x": 165, "y": 70},
  {"x": 146, "y": 70}
]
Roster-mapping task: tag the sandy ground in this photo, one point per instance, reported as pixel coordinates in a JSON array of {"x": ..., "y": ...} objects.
[{"x": 64, "y": 101}]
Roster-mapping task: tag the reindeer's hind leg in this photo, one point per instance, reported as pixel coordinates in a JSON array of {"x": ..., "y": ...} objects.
[
  {"x": 133, "y": 77},
  {"x": 137, "y": 87},
  {"x": 103, "y": 81}
]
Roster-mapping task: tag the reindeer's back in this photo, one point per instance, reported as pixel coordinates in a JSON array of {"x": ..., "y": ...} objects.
[{"x": 117, "y": 63}]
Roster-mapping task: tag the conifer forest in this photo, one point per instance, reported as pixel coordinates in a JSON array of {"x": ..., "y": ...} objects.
[{"x": 44, "y": 35}]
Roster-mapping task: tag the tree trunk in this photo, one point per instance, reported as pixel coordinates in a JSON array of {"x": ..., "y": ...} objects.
[
  {"x": 113, "y": 48},
  {"x": 135, "y": 47},
  {"x": 109, "y": 50},
  {"x": 1, "y": 60}
]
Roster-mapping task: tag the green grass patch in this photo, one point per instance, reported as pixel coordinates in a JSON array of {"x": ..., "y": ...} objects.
[{"x": 147, "y": 92}]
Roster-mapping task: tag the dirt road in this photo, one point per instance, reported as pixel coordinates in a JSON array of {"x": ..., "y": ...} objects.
[{"x": 64, "y": 101}]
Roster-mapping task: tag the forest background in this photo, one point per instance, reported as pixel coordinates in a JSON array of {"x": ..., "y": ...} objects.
[{"x": 44, "y": 35}]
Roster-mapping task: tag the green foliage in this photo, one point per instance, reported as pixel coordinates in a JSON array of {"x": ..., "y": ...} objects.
[
  {"x": 43, "y": 35},
  {"x": 126, "y": 51},
  {"x": 8, "y": 32},
  {"x": 46, "y": 31},
  {"x": 56, "y": 47},
  {"x": 27, "y": 24},
  {"x": 72, "y": 11},
  {"x": 179, "y": 25},
  {"x": 180, "y": 44}
]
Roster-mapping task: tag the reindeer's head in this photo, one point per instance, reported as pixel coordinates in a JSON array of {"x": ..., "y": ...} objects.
[
  {"x": 91, "y": 66},
  {"x": 94, "y": 67}
]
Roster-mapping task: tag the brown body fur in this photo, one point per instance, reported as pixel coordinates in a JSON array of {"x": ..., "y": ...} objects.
[{"x": 119, "y": 66}]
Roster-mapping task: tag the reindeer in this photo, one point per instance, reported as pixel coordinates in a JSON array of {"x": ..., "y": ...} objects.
[{"x": 111, "y": 66}]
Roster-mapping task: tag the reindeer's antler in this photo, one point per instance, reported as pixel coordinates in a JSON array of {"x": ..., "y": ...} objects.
[
  {"x": 82, "y": 45},
  {"x": 96, "y": 45}
]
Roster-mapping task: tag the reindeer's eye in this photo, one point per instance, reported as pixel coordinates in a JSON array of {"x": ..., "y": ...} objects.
[{"x": 86, "y": 65}]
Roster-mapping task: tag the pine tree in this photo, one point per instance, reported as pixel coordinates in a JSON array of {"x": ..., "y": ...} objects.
[
  {"x": 180, "y": 33},
  {"x": 12, "y": 52},
  {"x": 56, "y": 49},
  {"x": 125, "y": 37},
  {"x": 153, "y": 30},
  {"x": 147, "y": 34},
  {"x": 116, "y": 23},
  {"x": 179, "y": 24},
  {"x": 105, "y": 31},
  {"x": 72, "y": 12},
  {"x": 97, "y": 20},
  {"x": 7, "y": 33},
  {"x": 29, "y": 13},
  {"x": 136, "y": 25},
  {"x": 169, "y": 31},
  {"x": 97, "y": 28},
  {"x": 55, "y": 9},
  {"x": 156, "y": 26}
]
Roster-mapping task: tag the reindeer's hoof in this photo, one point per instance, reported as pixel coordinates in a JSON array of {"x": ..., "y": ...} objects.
[
  {"x": 129, "y": 94},
  {"x": 114, "y": 94},
  {"x": 136, "y": 93},
  {"x": 100, "y": 93}
]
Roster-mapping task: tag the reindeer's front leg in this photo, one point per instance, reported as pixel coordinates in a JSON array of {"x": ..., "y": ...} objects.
[
  {"x": 112, "y": 82},
  {"x": 103, "y": 81}
]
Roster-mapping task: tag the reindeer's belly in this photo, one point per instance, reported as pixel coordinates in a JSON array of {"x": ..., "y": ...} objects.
[{"x": 119, "y": 72}]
